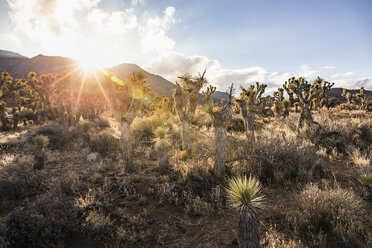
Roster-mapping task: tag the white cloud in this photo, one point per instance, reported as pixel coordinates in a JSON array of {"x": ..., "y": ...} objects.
[
  {"x": 135, "y": 2},
  {"x": 329, "y": 67},
  {"x": 154, "y": 37},
  {"x": 117, "y": 22},
  {"x": 343, "y": 74},
  {"x": 354, "y": 83},
  {"x": 306, "y": 71}
]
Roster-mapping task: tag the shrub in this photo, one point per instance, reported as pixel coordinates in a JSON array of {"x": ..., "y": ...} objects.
[
  {"x": 274, "y": 159},
  {"x": 22, "y": 182},
  {"x": 359, "y": 159},
  {"x": 59, "y": 136},
  {"x": 41, "y": 224},
  {"x": 330, "y": 212},
  {"x": 105, "y": 144}
]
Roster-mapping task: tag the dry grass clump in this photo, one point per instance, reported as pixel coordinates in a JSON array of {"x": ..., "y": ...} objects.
[
  {"x": 359, "y": 159},
  {"x": 327, "y": 213},
  {"x": 274, "y": 239},
  {"x": 274, "y": 159},
  {"x": 105, "y": 144}
]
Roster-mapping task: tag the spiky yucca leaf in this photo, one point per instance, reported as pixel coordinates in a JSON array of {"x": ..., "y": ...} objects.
[
  {"x": 208, "y": 108},
  {"x": 85, "y": 125},
  {"x": 245, "y": 193},
  {"x": 366, "y": 179},
  {"x": 40, "y": 141},
  {"x": 161, "y": 132}
]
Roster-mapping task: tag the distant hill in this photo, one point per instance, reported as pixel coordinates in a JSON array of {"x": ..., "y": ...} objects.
[
  {"x": 19, "y": 66},
  {"x": 8, "y": 54},
  {"x": 336, "y": 93}
]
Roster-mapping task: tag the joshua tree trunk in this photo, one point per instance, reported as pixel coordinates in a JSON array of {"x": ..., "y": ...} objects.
[
  {"x": 15, "y": 120},
  {"x": 185, "y": 134},
  {"x": 304, "y": 116},
  {"x": 3, "y": 118},
  {"x": 39, "y": 161},
  {"x": 163, "y": 157},
  {"x": 219, "y": 155},
  {"x": 250, "y": 124},
  {"x": 248, "y": 230},
  {"x": 127, "y": 149}
]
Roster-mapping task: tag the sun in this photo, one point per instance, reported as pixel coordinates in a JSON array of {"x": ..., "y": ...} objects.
[{"x": 89, "y": 65}]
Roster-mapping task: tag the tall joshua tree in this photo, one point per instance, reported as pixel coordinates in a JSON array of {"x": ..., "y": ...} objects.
[
  {"x": 126, "y": 100},
  {"x": 245, "y": 195},
  {"x": 187, "y": 92},
  {"x": 8, "y": 86},
  {"x": 347, "y": 96},
  {"x": 322, "y": 87},
  {"x": 248, "y": 102},
  {"x": 220, "y": 117},
  {"x": 305, "y": 92}
]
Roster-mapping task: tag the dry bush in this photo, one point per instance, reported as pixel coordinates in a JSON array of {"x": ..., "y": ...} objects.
[
  {"x": 101, "y": 123},
  {"x": 330, "y": 212},
  {"x": 359, "y": 159},
  {"x": 105, "y": 144},
  {"x": 22, "y": 182},
  {"x": 41, "y": 224},
  {"x": 69, "y": 184},
  {"x": 60, "y": 137},
  {"x": 274, "y": 239},
  {"x": 274, "y": 159}
]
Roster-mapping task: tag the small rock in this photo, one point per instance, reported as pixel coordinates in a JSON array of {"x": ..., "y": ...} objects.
[{"x": 93, "y": 157}]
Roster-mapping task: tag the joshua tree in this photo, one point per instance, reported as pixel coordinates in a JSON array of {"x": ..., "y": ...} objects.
[
  {"x": 278, "y": 99},
  {"x": 8, "y": 86},
  {"x": 245, "y": 195},
  {"x": 347, "y": 96},
  {"x": 126, "y": 100},
  {"x": 248, "y": 102},
  {"x": 221, "y": 118},
  {"x": 305, "y": 93},
  {"x": 362, "y": 99},
  {"x": 41, "y": 142},
  {"x": 187, "y": 91},
  {"x": 322, "y": 88},
  {"x": 285, "y": 104},
  {"x": 161, "y": 144}
]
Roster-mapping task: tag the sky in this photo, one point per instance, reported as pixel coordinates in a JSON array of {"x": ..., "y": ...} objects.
[{"x": 240, "y": 41}]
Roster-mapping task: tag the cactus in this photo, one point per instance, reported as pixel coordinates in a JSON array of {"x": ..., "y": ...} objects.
[
  {"x": 220, "y": 118},
  {"x": 248, "y": 102},
  {"x": 187, "y": 91}
]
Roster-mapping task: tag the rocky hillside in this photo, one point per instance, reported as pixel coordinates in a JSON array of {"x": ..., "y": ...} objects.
[{"x": 19, "y": 67}]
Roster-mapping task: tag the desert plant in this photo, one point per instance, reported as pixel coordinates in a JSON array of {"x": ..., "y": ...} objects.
[
  {"x": 366, "y": 179},
  {"x": 126, "y": 100},
  {"x": 85, "y": 125},
  {"x": 305, "y": 92},
  {"x": 187, "y": 91},
  {"x": 247, "y": 104},
  {"x": 285, "y": 105},
  {"x": 359, "y": 159},
  {"x": 221, "y": 118},
  {"x": 41, "y": 142},
  {"x": 245, "y": 195},
  {"x": 161, "y": 144}
]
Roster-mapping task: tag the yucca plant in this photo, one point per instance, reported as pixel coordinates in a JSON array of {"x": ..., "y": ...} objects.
[
  {"x": 366, "y": 179},
  {"x": 41, "y": 142},
  {"x": 245, "y": 195},
  {"x": 161, "y": 145}
]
